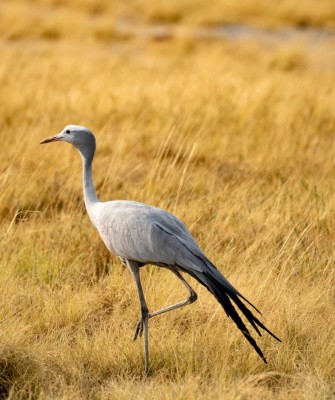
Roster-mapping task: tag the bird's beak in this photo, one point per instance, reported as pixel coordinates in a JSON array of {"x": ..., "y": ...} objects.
[{"x": 56, "y": 138}]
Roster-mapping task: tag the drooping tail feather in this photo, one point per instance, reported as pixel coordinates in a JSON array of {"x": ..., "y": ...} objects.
[{"x": 226, "y": 295}]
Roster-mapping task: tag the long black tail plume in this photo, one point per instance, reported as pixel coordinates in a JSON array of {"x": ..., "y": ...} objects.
[{"x": 225, "y": 295}]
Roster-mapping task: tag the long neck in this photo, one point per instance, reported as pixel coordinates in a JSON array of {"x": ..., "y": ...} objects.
[{"x": 90, "y": 196}]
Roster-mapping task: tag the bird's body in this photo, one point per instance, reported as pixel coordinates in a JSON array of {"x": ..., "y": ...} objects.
[
  {"x": 125, "y": 224},
  {"x": 140, "y": 234},
  {"x": 136, "y": 231}
]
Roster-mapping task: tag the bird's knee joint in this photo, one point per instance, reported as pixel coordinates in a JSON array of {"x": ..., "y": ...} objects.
[
  {"x": 193, "y": 297},
  {"x": 145, "y": 312}
]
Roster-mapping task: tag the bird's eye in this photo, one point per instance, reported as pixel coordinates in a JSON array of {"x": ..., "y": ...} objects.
[{"x": 67, "y": 131}]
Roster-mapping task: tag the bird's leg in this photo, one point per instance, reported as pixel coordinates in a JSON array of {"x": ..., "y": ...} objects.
[
  {"x": 192, "y": 297},
  {"x": 142, "y": 326}
]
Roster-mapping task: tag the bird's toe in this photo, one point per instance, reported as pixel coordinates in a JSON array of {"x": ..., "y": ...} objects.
[{"x": 139, "y": 329}]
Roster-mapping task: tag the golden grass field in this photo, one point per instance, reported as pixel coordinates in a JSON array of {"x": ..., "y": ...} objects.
[{"x": 237, "y": 138}]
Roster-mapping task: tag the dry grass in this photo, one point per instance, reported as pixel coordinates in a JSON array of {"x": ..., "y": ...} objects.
[
  {"x": 105, "y": 20},
  {"x": 237, "y": 140}
]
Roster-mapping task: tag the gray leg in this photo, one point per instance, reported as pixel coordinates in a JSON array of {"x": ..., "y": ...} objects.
[
  {"x": 192, "y": 297},
  {"x": 142, "y": 326}
]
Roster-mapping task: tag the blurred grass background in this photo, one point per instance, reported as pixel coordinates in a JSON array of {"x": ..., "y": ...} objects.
[{"x": 236, "y": 137}]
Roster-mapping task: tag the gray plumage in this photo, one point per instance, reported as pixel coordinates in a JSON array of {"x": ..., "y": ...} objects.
[{"x": 141, "y": 234}]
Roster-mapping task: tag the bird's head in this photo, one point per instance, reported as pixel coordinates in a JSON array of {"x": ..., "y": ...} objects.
[{"x": 79, "y": 136}]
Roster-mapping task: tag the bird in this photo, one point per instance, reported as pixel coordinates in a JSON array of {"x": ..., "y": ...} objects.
[{"x": 141, "y": 234}]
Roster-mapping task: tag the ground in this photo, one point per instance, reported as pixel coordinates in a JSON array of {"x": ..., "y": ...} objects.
[{"x": 234, "y": 135}]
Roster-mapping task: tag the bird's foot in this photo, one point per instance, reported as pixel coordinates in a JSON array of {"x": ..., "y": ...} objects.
[
  {"x": 139, "y": 329},
  {"x": 141, "y": 324}
]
